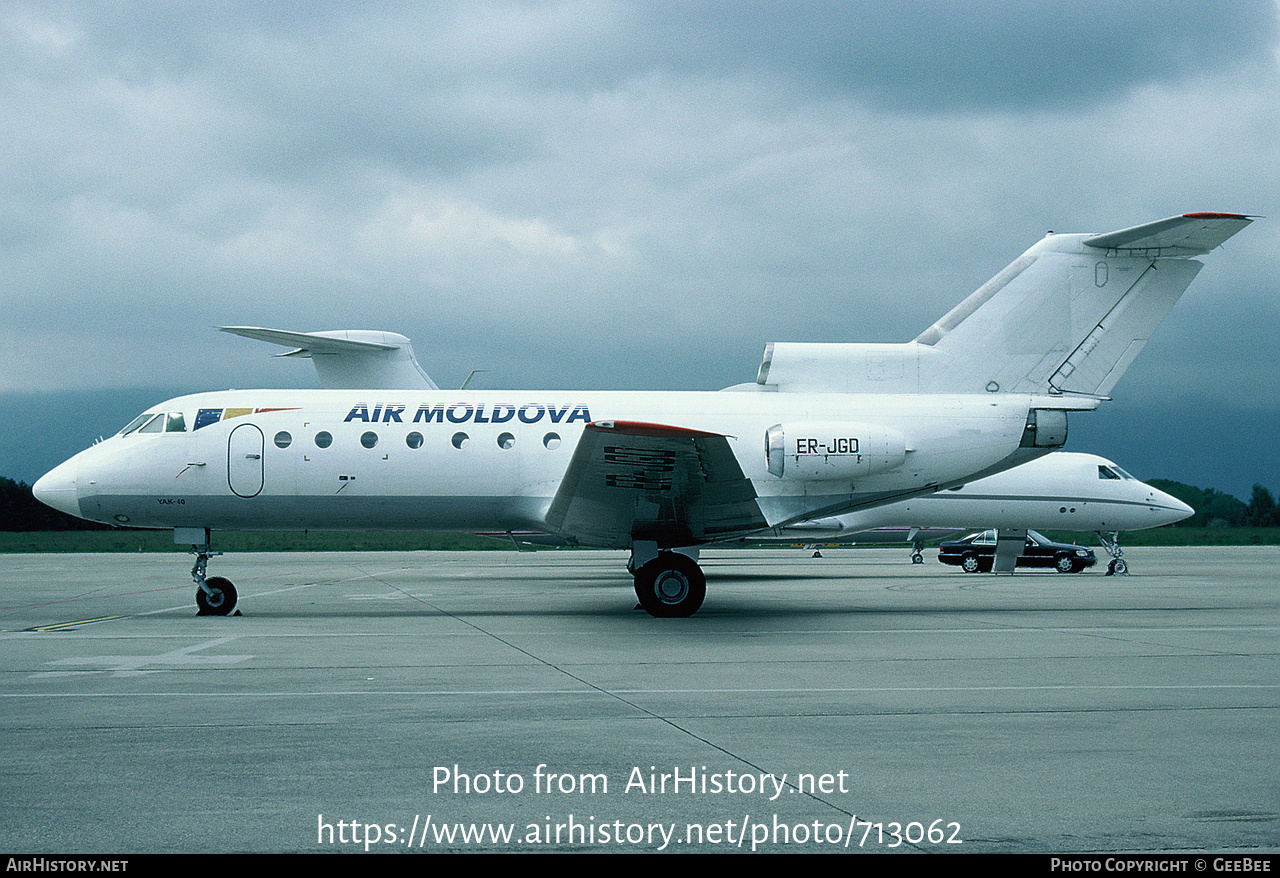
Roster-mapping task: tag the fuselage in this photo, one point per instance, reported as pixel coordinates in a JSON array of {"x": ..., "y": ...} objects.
[{"x": 494, "y": 460}]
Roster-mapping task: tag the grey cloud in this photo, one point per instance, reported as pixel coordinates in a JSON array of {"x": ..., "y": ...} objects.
[
  {"x": 626, "y": 195},
  {"x": 940, "y": 55}
]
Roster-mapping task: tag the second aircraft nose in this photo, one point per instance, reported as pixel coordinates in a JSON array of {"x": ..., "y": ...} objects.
[{"x": 1170, "y": 508}]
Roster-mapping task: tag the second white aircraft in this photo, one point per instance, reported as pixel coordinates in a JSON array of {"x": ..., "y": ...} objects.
[{"x": 1060, "y": 491}]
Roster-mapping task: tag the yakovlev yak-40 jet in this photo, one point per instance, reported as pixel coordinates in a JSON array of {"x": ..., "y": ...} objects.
[
  {"x": 825, "y": 430},
  {"x": 1080, "y": 492}
]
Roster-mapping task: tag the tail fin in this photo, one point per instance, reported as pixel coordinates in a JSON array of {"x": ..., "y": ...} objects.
[
  {"x": 1067, "y": 316},
  {"x": 349, "y": 358}
]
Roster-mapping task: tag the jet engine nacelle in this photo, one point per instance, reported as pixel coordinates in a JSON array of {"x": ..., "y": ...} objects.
[{"x": 818, "y": 450}]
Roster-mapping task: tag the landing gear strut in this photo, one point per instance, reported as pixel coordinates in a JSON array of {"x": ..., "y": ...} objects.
[
  {"x": 917, "y": 552},
  {"x": 1117, "y": 567},
  {"x": 215, "y": 596}
]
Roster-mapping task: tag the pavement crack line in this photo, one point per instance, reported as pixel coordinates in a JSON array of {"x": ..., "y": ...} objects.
[{"x": 687, "y": 732}]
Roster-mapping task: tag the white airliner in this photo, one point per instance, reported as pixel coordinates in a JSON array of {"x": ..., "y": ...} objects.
[
  {"x": 826, "y": 429},
  {"x": 1063, "y": 490},
  {"x": 1060, "y": 491}
]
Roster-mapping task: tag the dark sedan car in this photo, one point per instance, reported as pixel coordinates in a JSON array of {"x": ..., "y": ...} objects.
[{"x": 976, "y": 552}]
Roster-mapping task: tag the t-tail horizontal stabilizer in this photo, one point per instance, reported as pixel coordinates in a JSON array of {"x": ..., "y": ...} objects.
[
  {"x": 350, "y": 359},
  {"x": 1066, "y": 317}
]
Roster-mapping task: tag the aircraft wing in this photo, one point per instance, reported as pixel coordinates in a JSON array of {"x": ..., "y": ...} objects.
[
  {"x": 349, "y": 358},
  {"x": 630, "y": 481}
]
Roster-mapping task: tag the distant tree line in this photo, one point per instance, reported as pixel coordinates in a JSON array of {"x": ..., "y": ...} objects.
[
  {"x": 1216, "y": 509},
  {"x": 21, "y": 511}
]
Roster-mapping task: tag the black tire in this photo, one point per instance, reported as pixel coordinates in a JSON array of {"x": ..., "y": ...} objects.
[
  {"x": 221, "y": 602},
  {"x": 1064, "y": 564},
  {"x": 1121, "y": 568},
  {"x": 971, "y": 563},
  {"x": 917, "y": 558},
  {"x": 672, "y": 586}
]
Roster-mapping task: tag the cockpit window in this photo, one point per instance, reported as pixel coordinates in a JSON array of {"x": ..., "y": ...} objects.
[
  {"x": 1106, "y": 472},
  {"x": 136, "y": 423},
  {"x": 153, "y": 422}
]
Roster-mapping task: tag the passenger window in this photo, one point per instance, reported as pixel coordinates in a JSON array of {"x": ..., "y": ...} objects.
[
  {"x": 506, "y": 440},
  {"x": 460, "y": 440},
  {"x": 283, "y": 439},
  {"x": 324, "y": 439},
  {"x": 413, "y": 440},
  {"x": 370, "y": 439},
  {"x": 551, "y": 441}
]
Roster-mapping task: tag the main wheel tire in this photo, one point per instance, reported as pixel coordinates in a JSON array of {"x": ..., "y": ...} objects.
[
  {"x": 672, "y": 586},
  {"x": 970, "y": 564},
  {"x": 1119, "y": 567},
  {"x": 1064, "y": 564},
  {"x": 221, "y": 602}
]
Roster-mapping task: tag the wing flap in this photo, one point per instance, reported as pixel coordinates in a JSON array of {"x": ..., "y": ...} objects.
[{"x": 631, "y": 481}]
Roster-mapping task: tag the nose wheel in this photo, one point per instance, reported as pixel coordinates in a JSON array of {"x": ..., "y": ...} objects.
[{"x": 216, "y": 598}]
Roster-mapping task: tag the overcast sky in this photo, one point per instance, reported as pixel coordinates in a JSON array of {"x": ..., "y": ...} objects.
[{"x": 623, "y": 195}]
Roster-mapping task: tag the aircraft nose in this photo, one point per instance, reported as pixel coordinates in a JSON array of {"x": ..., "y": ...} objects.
[
  {"x": 1171, "y": 509},
  {"x": 57, "y": 488}
]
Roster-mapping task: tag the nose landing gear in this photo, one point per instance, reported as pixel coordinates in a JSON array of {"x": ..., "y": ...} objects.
[
  {"x": 215, "y": 596},
  {"x": 1117, "y": 567}
]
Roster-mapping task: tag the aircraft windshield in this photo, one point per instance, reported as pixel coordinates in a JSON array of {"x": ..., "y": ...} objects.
[
  {"x": 156, "y": 422},
  {"x": 136, "y": 423}
]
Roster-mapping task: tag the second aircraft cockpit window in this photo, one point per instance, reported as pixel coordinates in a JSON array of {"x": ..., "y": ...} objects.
[{"x": 1113, "y": 472}]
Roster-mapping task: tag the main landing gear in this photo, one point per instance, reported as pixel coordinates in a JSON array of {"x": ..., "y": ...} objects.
[
  {"x": 1117, "y": 567},
  {"x": 215, "y": 596},
  {"x": 668, "y": 584}
]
